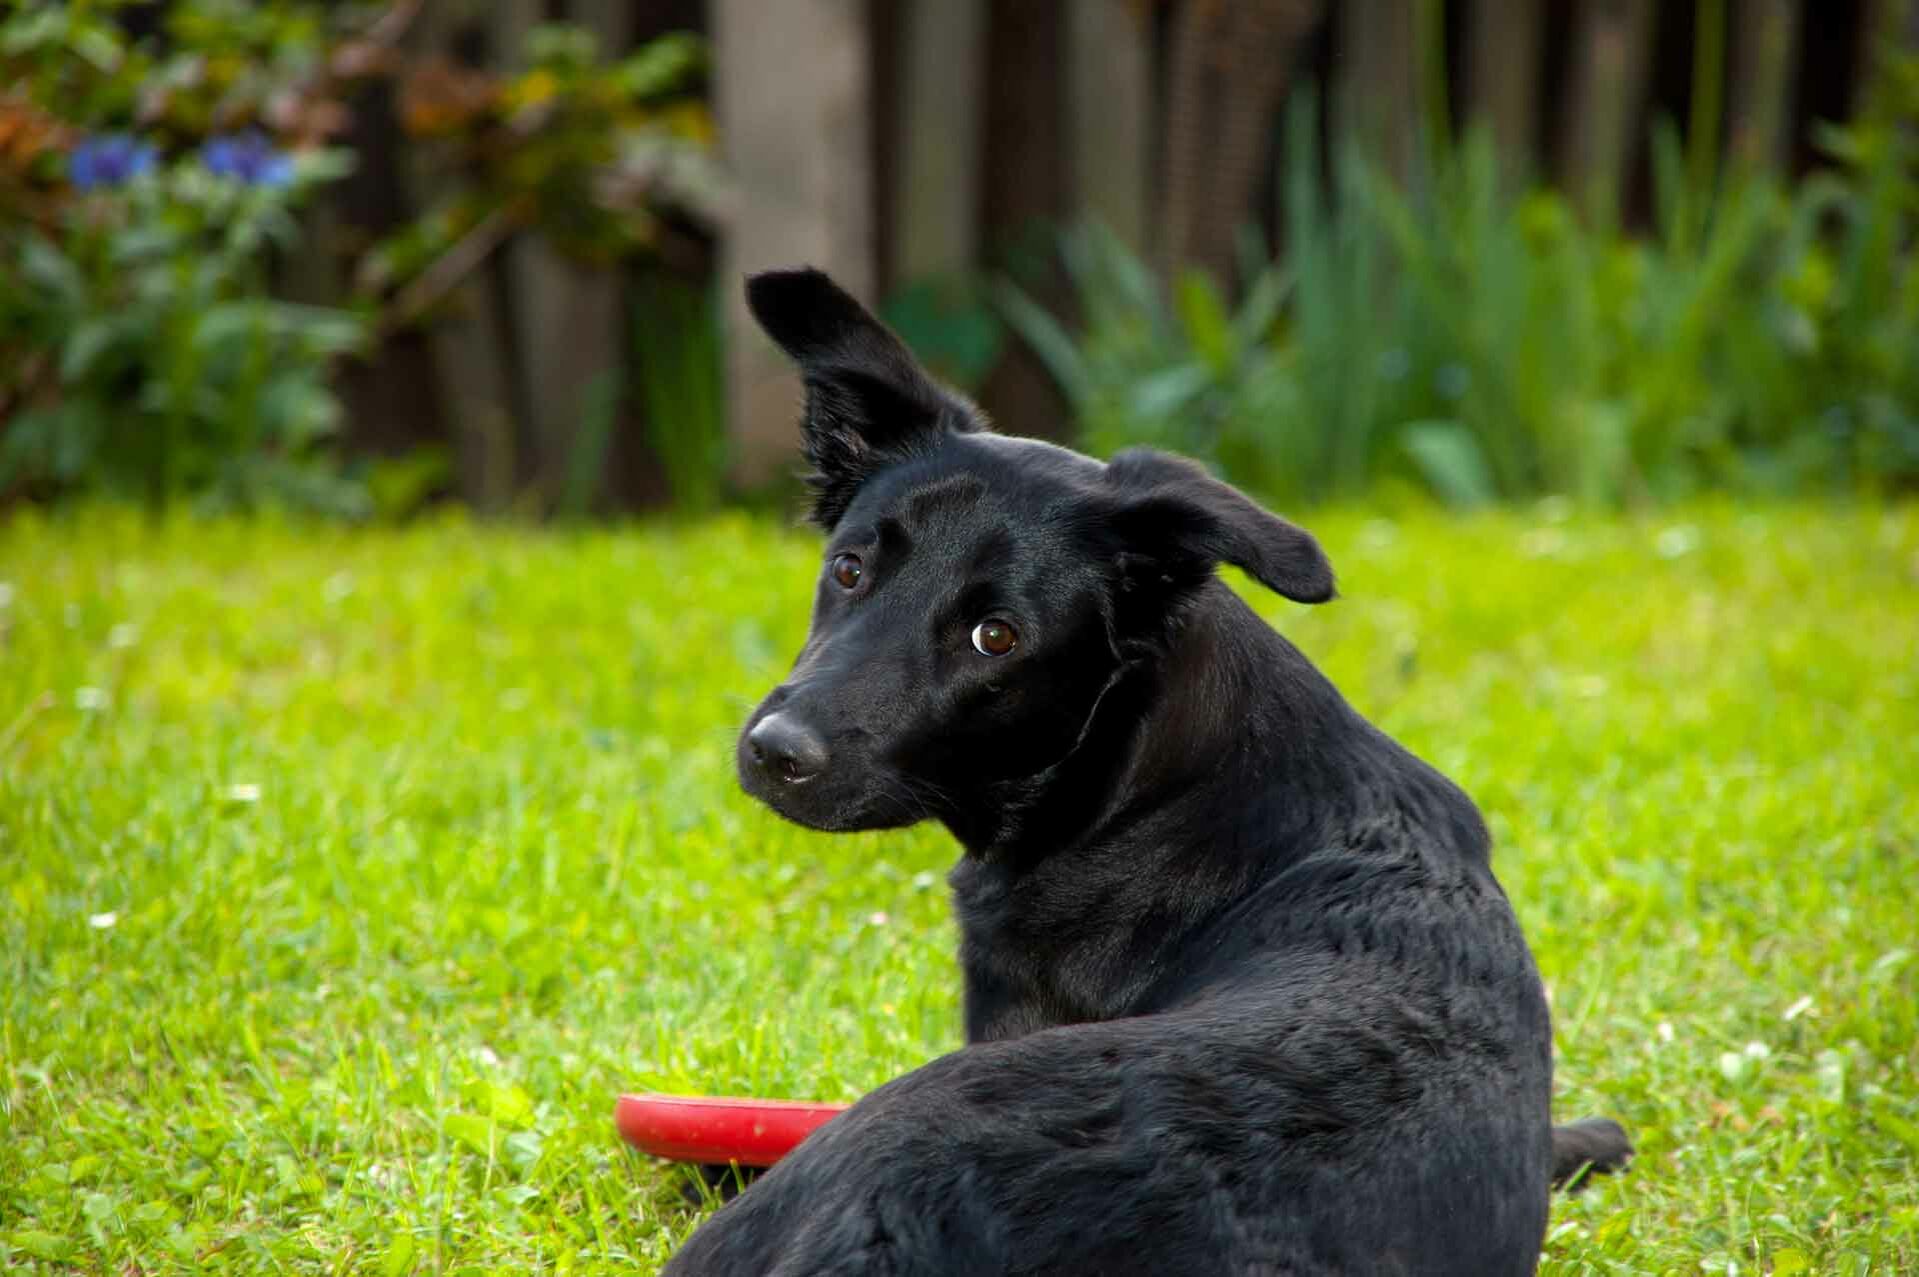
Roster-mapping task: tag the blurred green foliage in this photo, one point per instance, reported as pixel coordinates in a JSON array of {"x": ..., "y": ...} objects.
[
  {"x": 951, "y": 325},
  {"x": 141, "y": 205},
  {"x": 595, "y": 155},
  {"x": 679, "y": 376},
  {"x": 153, "y": 164},
  {"x": 160, "y": 364},
  {"x": 1447, "y": 333},
  {"x": 1761, "y": 339},
  {"x": 217, "y": 64}
]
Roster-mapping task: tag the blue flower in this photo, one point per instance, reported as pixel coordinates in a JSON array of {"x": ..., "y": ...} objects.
[
  {"x": 248, "y": 158},
  {"x": 110, "y": 159}
]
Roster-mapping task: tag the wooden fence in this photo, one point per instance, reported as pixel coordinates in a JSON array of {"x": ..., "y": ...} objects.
[{"x": 893, "y": 140}]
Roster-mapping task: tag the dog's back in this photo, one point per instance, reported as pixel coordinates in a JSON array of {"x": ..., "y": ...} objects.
[
  {"x": 1341, "y": 1048},
  {"x": 1242, "y": 994}
]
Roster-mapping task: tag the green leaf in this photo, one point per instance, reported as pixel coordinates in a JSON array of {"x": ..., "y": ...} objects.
[
  {"x": 31, "y": 30},
  {"x": 399, "y": 1256},
  {"x": 61, "y": 443},
  {"x": 1889, "y": 964},
  {"x": 230, "y": 328},
  {"x": 41, "y": 1245},
  {"x": 98, "y": 44},
  {"x": 52, "y": 271},
  {"x": 1829, "y": 1075},
  {"x": 192, "y": 1181},
  {"x": 1203, "y": 315},
  {"x": 25, "y": 447},
  {"x": 523, "y": 1148},
  {"x": 151, "y": 1213},
  {"x": 1451, "y": 461},
  {"x": 662, "y": 65},
  {"x": 504, "y": 1102},
  {"x": 473, "y": 1131},
  {"x": 296, "y": 410},
  {"x": 84, "y": 346},
  {"x": 948, "y": 327},
  {"x": 1163, "y": 394},
  {"x": 1048, "y": 338},
  {"x": 1601, "y": 437},
  {"x": 592, "y": 438},
  {"x": 318, "y": 165},
  {"x": 1260, "y": 311},
  {"x": 1903, "y": 1128},
  {"x": 324, "y": 331},
  {"x": 1787, "y": 1262},
  {"x": 400, "y": 485},
  {"x": 562, "y": 46},
  {"x": 138, "y": 245}
]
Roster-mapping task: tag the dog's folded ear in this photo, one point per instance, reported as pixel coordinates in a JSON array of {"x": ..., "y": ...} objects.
[
  {"x": 868, "y": 401},
  {"x": 1176, "y": 523}
]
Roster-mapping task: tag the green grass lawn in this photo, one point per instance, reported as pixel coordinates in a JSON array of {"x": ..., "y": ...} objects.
[{"x": 346, "y": 876}]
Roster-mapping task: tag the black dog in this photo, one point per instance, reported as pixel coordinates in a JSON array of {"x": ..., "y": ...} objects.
[{"x": 1242, "y": 994}]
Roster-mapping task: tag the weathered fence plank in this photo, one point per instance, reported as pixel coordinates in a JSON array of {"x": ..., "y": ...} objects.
[
  {"x": 569, "y": 320},
  {"x": 1110, "y": 114},
  {"x": 1764, "y": 35},
  {"x": 936, "y": 178},
  {"x": 1378, "y": 81},
  {"x": 1230, "y": 63},
  {"x": 1502, "y": 79},
  {"x": 469, "y": 339},
  {"x": 792, "y": 89},
  {"x": 1608, "y": 99}
]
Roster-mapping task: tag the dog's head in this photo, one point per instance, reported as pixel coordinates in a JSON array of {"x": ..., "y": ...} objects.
[{"x": 979, "y": 593}]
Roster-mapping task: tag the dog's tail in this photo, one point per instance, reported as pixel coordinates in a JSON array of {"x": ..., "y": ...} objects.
[{"x": 1591, "y": 1146}]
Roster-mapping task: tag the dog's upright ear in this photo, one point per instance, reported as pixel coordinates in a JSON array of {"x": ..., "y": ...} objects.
[
  {"x": 868, "y": 401},
  {"x": 1175, "y": 523}
]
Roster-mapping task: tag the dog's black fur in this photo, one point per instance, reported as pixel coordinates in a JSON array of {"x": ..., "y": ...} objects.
[{"x": 1242, "y": 993}]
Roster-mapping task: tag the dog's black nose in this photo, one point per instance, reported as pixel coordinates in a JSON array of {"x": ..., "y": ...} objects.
[{"x": 786, "y": 748}]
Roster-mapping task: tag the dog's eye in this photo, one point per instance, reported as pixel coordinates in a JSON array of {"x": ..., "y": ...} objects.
[
  {"x": 847, "y": 570},
  {"x": 994, "y": 638}
]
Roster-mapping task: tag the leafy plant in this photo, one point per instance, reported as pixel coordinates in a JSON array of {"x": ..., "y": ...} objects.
[
  {"x": 142, "y": 202},
  {"x": 148, "y": 172},
  {"x": 1181, "y": 373},
  {"x": 1756, "y": 341},
  {"x": 601, "y": 158},
  {"x": 214, "y": 66},
  {"x": 1485, "y": 346},
  {"x": 950, "y": 323},
  {"x": 156, "y": 365},
  {"x": 608, "y": 162}
]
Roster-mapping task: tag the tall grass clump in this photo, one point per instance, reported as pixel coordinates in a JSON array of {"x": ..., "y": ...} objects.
[{"x": 1756, "y": 338}]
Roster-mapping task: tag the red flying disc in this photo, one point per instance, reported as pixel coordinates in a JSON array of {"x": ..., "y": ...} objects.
[{"x": 702, "y": 1128}]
